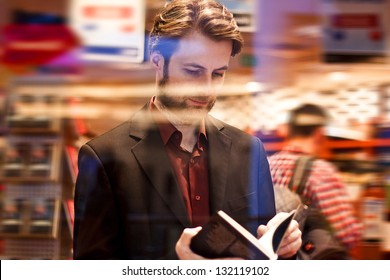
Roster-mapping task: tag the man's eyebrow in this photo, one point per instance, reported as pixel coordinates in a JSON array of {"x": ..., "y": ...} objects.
[{"x": 223, "y": 68}]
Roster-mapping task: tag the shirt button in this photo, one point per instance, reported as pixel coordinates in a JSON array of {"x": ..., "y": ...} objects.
[{"x": 197, "y": 197}]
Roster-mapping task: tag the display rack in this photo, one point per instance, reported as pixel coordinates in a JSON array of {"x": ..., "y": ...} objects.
[{"x": 31, "y": 173}]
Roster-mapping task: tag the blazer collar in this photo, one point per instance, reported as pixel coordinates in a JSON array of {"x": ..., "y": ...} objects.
[
  {"x": 219, "y": 157},
  {"x": 151, "y": 156},
  {"x": 159, "y": 170}
]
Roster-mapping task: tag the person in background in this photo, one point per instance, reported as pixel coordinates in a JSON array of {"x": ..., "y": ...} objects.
[
  {"x": 324, "y": 188},
  {"x": 144, "y": 188}
]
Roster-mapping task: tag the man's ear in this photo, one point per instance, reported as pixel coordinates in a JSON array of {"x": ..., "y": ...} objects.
[{"x": 157, "y": 60}]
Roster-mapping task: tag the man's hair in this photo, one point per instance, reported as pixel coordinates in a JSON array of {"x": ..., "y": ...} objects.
[
  {"x": 181, "y": 17},
  {"x": 305, "y": 119}
]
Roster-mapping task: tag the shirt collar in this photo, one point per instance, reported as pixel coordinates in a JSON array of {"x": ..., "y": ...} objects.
[
  {"x": 294, "y": 149},
  {"x": 167, "y": 129}
]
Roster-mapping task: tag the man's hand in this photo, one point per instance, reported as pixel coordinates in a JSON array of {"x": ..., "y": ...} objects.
[
  {"x": 292, "y": 240},
  {"x": 183, "y": 250}
]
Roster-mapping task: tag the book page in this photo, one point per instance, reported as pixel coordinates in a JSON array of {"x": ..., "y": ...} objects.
[
  {"x": 272, "y": 239},
  {"x": 222, "y": 237}
]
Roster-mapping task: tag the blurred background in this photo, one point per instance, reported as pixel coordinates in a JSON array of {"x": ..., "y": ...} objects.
[{"x": 72, "y": 69}]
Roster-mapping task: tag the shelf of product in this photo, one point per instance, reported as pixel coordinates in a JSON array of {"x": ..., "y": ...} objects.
[
  {"x": 34, "y": 113},
  {"x": 27, "y": 159},
  {"x": 29, "y": 218},
  {"x": 333, "y": 147},
  {"x": 31, "y": 173}
]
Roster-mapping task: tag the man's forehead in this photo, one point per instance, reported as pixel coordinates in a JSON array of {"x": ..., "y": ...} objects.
[{"x": 198, "y": 49}]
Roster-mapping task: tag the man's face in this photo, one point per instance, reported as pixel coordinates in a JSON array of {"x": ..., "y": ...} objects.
[{"x": 196, "y": 71}]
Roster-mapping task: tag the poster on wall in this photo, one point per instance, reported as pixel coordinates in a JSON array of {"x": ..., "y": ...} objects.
[
  {"x": 110, "y": 30},
  {"x": 244, "y": 12},
  {"x": 355, "y": 26}
]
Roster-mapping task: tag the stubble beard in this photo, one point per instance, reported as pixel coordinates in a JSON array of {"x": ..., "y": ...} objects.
[{"x": 178, "y": 106}]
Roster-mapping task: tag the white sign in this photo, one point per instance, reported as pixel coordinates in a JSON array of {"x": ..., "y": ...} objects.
[
  {"x": 355, "y": 26},
  {"x": 110, "y": 30}
]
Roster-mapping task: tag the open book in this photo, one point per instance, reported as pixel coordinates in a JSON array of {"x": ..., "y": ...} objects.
[{"x": 222, "y": 237}]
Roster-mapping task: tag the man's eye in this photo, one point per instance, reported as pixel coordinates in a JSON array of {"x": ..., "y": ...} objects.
[
  {"x": 194, "y": 73},
  {"x": 218, "y": 75}
]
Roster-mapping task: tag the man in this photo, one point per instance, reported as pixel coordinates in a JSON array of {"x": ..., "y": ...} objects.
[
  {"x": 324, "y": 189},
  {"x": 144, "y": 187}
]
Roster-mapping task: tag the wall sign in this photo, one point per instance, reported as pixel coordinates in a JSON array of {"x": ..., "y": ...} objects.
[
  {"x": 35, "y": 44},
  {"x": 355, "y": 26},
  {"x": 110, "y": 30}
]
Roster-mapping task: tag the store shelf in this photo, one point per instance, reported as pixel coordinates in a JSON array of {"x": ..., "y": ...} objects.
[
  {"x": 347, "y": 144},
  {"x": 31, "y": 174},
  {"x": 331, "y": 145},
  {"x": 30, "y": 219},
  {"x": 28, "y": 159}
]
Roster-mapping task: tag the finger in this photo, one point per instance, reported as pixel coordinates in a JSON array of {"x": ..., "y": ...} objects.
[
  {"x": 261, "y": 230},
  {"x": 293, "y": 227},
  {"x": 292, "y": 235},
  {"x": 183, "y": 245},
  {"x": 290, "y": 249},
  {"x": 292, "y": 241},
  {"x": 188, "y": 233},
  {"x": 292, "y": 238},
  {"x": 291, "y": 244}
]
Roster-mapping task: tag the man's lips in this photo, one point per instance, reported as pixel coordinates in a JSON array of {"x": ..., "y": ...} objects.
[{"x": 198, "y": 101}]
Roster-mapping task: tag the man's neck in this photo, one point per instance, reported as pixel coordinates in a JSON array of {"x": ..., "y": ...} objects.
[
  {"x": 189, "y": 137},
  {"x": 307, "y": 145},
  {"x": 187, "y": 129},
  {"x": 171, "y": 117}
]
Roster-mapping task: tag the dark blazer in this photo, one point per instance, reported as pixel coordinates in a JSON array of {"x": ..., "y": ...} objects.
[{"x": 127, "y": 201}]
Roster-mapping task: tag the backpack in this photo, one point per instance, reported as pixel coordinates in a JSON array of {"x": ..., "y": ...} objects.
[{"x": 318, "y": 239}]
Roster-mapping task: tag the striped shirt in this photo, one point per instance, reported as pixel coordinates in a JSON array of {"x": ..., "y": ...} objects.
[{"x": 324, "y": 189}]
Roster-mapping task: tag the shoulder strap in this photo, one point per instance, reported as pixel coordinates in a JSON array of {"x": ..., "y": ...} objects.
[{"x": 300, "y": 174}]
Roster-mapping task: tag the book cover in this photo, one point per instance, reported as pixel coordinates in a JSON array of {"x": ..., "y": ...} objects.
[{"x": 223, "y": 237}]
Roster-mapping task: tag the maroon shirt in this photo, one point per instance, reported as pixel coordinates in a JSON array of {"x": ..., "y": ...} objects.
[{"x": 190, "y": 168}]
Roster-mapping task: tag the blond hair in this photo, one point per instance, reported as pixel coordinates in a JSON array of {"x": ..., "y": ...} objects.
[{"x": 181, "y": 17}]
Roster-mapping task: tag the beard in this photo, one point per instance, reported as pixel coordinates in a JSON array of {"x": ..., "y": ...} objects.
[
  {"x": 182, "y": 102},
  {"x": 175, "y": 101},
  {"x": 181, "y": 108}
]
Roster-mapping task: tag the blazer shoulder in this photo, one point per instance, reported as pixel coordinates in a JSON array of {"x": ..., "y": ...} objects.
[
  {"x": 232, "y": 131},
  {"x": 112, "y": 134},
  {"x": 123, "y": 131}
]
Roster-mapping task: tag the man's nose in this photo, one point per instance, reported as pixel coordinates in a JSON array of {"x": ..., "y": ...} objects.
[{"x": 208, "y": 86}]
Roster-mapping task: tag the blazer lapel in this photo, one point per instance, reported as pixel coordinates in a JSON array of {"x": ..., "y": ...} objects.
[
  {"x": 219, "y": 147},
  {"x": 150, "y": 154}
]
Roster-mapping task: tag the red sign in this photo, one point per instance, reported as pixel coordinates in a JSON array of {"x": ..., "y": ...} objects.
[
  {"x": 107, "y": 12},
  {"x": 32, "y": 44},
  {"x": 355, "y": 21}
]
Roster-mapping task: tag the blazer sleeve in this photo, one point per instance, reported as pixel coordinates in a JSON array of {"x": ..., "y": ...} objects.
[
  {"x": 261, "y": 181},
  {"x": 96, "y": 227}
]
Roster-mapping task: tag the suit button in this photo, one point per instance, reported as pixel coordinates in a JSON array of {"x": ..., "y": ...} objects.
[{"x": 197, "y": 197}]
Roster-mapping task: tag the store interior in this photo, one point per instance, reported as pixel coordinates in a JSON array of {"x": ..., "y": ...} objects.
[{"x": 52, "y": 102}]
